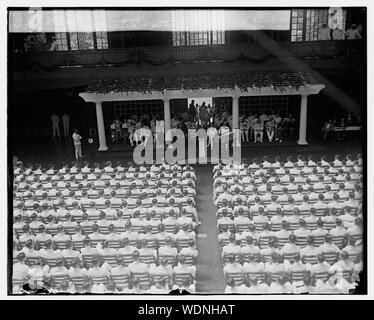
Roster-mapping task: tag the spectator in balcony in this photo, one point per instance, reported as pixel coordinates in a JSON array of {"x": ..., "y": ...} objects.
[
  {"x": 338, "y": 34},
  {"x": 324, "y": 32},
  {"x": 54, "y": 45},
  {"x": 29, "y": 42},
  {"x": 41, "y": 39},
  {"x": 352, "y": 33}
]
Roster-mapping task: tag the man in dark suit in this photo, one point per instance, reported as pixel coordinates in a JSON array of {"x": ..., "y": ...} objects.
[
  {"x": 192, "y": 110},
  {"x": 179, "y": 291},
  {"x": 184, "y": 289}
]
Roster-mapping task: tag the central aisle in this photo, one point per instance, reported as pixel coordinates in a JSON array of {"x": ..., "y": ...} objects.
[{"x": 209, "y": 274}]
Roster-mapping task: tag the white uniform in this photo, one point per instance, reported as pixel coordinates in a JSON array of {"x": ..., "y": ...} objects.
[
  {"x": 65, "y": 123},
  {"x": 77, "y": 145},
  {"x": 55, "y": 125}
]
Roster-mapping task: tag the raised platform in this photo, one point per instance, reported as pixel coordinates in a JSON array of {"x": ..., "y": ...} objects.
[
  {"x": 45, "y": 150},
  {"x": 122, "y": 147},
  {"x": 248, "y": 150}
]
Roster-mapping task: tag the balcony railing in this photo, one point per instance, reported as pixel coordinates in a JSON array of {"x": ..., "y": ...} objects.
[{"x": 52, "y": 60}]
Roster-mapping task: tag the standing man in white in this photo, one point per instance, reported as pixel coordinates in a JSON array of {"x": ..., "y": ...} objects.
[
  {"x": 65, "y": 123},
  {"x": 77, "y": 144},
  {"x": 55, "y": 125}
]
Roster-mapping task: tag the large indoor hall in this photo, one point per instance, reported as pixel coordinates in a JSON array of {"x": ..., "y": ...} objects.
[{"x": 174, "y": 151}]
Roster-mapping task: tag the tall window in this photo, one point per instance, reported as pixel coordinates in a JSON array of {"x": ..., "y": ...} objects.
[
  {"x": 101, "y": 40},
  {"x": 80, "y": 25},
  {"x": 75, "y": 23},
  {"x": 198, "y": 27},
  {"x": 61, "y": 41},
  {"x": 59, "y": 21},
  {"x": 297, "y": 21},
  {"x": 314, "y": 20},
  {"x": 305, "y": 24},
  {"x": 81, "y": 41},
  {"x": 101, "y": 37}
]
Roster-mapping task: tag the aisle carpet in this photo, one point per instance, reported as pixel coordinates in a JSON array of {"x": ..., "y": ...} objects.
[{"x": 209, "y": 274}]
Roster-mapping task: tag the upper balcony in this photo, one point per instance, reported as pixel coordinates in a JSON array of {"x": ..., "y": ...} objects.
[{"x": 253, "y": 53}]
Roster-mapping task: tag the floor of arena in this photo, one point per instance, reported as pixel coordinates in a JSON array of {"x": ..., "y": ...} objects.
[
  {"x": 209, "y": 276},
  {"x": 45, "y": 150}
]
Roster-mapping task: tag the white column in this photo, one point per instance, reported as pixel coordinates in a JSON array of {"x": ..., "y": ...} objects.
[
  {"x": 303, "y": 120},
  {"x": 167, "y": 118},
  {"x": 235, "y": 112},
  {"x": 101, "y": 127},
  {"x": 167, "y": 114}
]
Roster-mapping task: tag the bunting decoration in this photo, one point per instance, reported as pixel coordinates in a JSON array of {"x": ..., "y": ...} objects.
[
  {"x": 278, "y": 81},
  {"x": 38, "y": 61}
]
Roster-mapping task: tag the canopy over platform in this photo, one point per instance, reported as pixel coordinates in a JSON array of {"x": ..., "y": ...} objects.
[
  {"x": 185, "y": 86},
  {"x": 201, "y": 86}
]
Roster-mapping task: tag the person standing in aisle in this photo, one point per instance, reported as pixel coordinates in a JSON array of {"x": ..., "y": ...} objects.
[
  {"x": 77, "y": 144},
  {"x": 65, "y": 123},
  {"x": 55, "y": 125}
]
